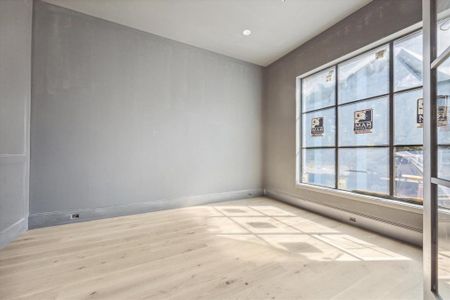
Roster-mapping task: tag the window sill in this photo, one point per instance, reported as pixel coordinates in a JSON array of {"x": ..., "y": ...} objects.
[{"x": 414, "y": 208}]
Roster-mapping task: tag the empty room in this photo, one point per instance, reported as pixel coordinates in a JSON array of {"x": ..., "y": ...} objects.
[{"x": 225, "y": 149}]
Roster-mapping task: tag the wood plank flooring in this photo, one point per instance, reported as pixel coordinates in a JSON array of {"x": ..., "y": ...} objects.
[{"x": 246, "y": 249}]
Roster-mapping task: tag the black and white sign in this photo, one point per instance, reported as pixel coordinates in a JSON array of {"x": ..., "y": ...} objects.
[
  {"x": 317, "y": 128},
  {"x": 442, "y": 116},
  {"x": 442, "y": 111},
  {"x": 419, "y": 117},
  {"x": 363, "y": 121}
]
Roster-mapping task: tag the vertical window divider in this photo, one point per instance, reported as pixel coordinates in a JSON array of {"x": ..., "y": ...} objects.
[
  {"x": 300, "y": 132},
  {"x": 391, "y": 121},
  {"x": 336, "y": 122}
]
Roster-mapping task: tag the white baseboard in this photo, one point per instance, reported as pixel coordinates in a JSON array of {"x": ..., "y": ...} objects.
[
  {"x": 63, "y": 217},
  {"x": 397, "y": 231},
  {"x": 13, "y": 231}
]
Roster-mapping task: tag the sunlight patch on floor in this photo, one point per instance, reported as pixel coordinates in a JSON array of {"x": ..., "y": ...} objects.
[{"x": 285, "y": 231}]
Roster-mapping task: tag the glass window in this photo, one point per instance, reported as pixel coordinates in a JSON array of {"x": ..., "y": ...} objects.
[
  {"x": 319, "y": 167},
  {"x": 318, "y": 90},
  {"x": 443, "y": 241},
  {"x": 356, "y": 118},
  {"x": 408, "y": 118},
  {"x": 364, "y": 170},
  {"x": 443, "y": 25},
  {"x": 408, "y": 162},
  {"x": 408, "y": 62},
  {"x": 319, "y": 128},
  {"x": 444, "y": 162},
  {"x": 364, "y": 76},
  {"x": 444, "y": 200},
  {"x": 362, "y": 111}
]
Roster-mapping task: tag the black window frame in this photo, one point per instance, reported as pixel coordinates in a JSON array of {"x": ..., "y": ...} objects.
[{"x": 391, "y": 146}]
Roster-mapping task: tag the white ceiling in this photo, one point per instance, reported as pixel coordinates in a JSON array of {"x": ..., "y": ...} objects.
[{"x": 277, "y": 26}]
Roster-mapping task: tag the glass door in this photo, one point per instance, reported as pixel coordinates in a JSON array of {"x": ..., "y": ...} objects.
[
  {"x": 436, "y": 226},
  {"x": 441, "y": 178}
]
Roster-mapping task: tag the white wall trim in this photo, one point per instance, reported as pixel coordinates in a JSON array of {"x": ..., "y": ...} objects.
[
  {"x": 13, "y": 231},
  {"x": 396, "y": 204},
  {"x": 400, "y": 232},
  {"x": 63, "y": 217}
]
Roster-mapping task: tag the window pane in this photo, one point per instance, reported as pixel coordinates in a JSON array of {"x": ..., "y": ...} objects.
[
  {"x": 407, "y": 126},
  {"x": 442, "y": 103},
  {"x": 444, "y": 198},
  {"x": 444, "y": 241},
  {"x": 364, "y": 170},
  {"x": 319, "y": 167},
  {"x": 319, "y": 128},
  {"x": 408, "y": 164},
  {"x": 318, "y": 90},
  {"x": 365, "y": 76},
  {"x": 350, "y": 123},
  {"x": 408, "y": 62},
  {"x": 443, "y": 25},
  {"x": 444, "y": 162}
]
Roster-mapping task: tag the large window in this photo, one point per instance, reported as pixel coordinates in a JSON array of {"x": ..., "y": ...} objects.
[{"x": 361, "y": 123}]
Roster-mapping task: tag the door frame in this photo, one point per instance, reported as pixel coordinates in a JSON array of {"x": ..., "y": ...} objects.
[{"x": 431, "y": 61}]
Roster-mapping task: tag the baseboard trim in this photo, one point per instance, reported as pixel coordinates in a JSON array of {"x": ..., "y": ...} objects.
[
  {"x": 13, "y": 231},
  {"x": 63, "y": 217},
  {"x": 403, "y": 233}
]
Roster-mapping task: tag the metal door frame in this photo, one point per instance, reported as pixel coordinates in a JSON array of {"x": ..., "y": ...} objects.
[{"x": 431, "y": 180}]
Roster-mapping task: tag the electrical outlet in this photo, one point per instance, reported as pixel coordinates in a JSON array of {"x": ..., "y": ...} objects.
[
  {"x": 74, "y": 216},
  {"x": 352, "y": 219}
]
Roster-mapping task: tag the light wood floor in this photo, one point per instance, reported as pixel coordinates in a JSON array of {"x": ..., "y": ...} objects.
[{"x": 246, "y": 249}]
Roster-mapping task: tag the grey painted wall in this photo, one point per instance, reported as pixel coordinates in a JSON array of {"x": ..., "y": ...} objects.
[
  {"x": 124, "y": 118},
  {"x": 371, "y": 23},
  {"x": 15, "y": 85}
]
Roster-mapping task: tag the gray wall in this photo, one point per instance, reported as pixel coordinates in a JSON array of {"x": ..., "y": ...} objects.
[
  {"x": 15, "y": 85},
  {"x": 125, "y": 121},
  {"x": 371, "y": 23}
]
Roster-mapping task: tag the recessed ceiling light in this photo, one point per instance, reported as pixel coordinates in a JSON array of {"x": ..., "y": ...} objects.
[{"x": 247, "y": 32}]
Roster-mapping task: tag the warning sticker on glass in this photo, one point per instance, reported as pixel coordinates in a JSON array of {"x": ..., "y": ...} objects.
[
  {"x": 317, "y": 128},
  {"x": 363, "y": 121},
  {"x": 442, "y": 115},
  {"x": 419, "y": 117}
]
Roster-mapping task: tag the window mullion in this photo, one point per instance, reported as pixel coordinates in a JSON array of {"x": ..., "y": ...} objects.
[
  {"x": 391, "y": 120},
  {"x": 336, "y": 136},
  {"x": 300, "y": 132}
]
